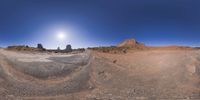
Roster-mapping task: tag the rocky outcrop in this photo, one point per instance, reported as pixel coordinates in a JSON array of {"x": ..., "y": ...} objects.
[
  {"x": 130, "y": 43},
  {"x": 39, "y": 46},
  {"x": 58, "y": 49},
  {"x": 19, "y": 47},
  {"x": 68, "y": 48}
]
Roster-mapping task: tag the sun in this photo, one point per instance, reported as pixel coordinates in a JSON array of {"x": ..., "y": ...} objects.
[{"x": 61, "y": 36}]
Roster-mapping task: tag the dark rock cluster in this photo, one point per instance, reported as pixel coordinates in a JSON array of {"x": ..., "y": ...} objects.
[
  {"x": 41, "y": 48},
  {"x": 19, "y": 47}
]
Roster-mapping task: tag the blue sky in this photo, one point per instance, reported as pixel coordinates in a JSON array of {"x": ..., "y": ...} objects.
[{"x": 99, "y": 22}]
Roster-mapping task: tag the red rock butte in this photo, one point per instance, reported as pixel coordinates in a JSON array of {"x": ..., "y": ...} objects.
[{"x": 130, "y": 43}]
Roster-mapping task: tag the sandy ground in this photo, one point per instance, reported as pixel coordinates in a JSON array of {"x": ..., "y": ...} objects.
[{"x": 136, "y": 75}]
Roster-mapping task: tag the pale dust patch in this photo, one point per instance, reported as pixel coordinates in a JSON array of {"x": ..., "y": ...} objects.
[{"x": 191, "y": 68}]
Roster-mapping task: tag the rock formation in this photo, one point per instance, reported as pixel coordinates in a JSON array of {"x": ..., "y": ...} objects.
[
  {"x": 39, "y": 46},
  {"x": 19, "y": 47},
  {"x": 130, "y": 43},
  {"x": 58, "y": 48},
  {"x": 68, "y": 48}
]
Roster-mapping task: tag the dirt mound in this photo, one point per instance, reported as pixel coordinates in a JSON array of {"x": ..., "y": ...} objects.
[{"x": 130, "y": 43}]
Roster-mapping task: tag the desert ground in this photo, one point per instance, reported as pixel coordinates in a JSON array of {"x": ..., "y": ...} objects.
[{"x": 152, "y": 74}]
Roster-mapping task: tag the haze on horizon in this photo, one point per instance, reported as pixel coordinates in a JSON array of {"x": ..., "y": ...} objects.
[{"x": 99, "y": 22}]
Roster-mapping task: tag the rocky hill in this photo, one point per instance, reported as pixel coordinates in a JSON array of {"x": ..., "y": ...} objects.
[{"x": 130, "y": 43}]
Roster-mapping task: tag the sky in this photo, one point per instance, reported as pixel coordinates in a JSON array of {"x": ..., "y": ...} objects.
[{"x": 88, "y": 23}]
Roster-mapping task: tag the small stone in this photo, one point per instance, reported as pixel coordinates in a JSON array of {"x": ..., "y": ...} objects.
[{"x": 114, "y": 61}]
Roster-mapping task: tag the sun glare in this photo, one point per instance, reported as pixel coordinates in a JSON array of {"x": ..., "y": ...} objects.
[{"x": 61, "y": 36}]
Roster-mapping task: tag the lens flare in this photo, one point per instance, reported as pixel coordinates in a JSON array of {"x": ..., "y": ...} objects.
[{"x": 61, "y": 36}]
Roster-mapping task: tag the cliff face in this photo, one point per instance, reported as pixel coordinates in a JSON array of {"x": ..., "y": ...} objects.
[{"x": 131, "y": 43}]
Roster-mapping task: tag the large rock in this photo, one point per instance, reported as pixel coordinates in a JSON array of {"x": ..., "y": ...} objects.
[
  {"x": 58, "y": 49},
  {"x": 39, "y": 46},
  {"x": 130, "y": 43},
  {"x": 68, "y": 48}
]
